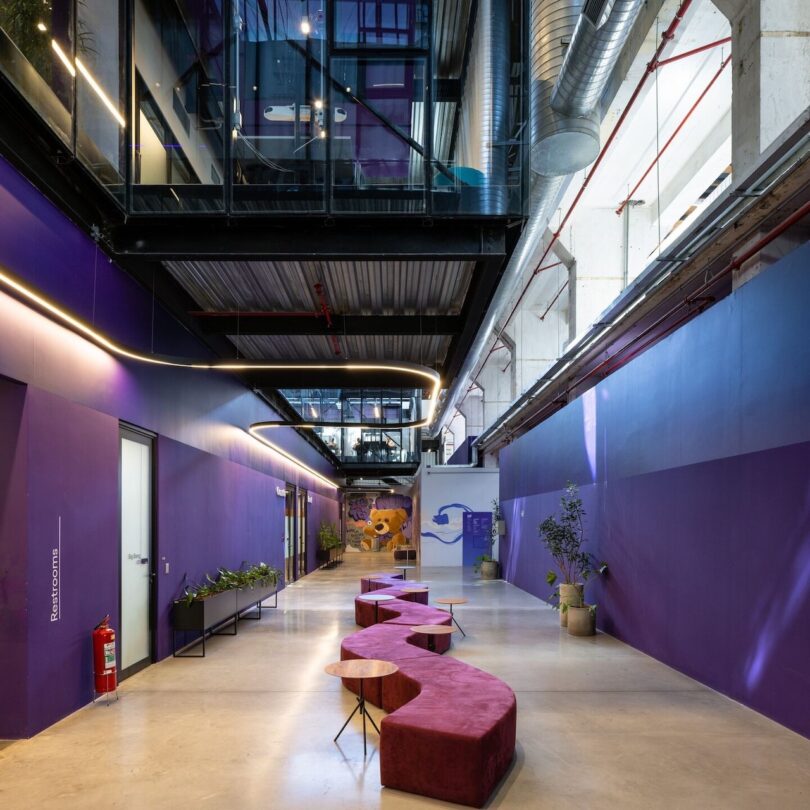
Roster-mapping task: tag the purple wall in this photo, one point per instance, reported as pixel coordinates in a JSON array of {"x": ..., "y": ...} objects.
[
  {"x": 68, "y": 474},
  {"x": 13, "y": 559},
  {"x": 320, "y": 510},
  {"x": 694, "y": 466},
  {"x": 208, "y": 410},
  {"x": 59, "y": 456},
  {"x": 211, "y": 513}
]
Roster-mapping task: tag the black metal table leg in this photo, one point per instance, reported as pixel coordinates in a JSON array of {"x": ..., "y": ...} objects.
[{"x": 456, "y": 622}]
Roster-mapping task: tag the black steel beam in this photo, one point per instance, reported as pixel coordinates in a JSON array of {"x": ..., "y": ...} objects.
[
  {"x": 278, "y": 324},
  {"x": 220, "y": 238},
  {"x": 485, "y": 280}
]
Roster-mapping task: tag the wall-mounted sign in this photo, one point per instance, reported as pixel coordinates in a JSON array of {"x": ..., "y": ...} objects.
[
  {"x": 56, "y": 577},
  {"x": 281, "y": 492},
  {"x": 309, "y": 498}
]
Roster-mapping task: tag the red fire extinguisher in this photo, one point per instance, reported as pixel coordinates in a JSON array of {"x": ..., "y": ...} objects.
[{"x": 105, "y": 679}]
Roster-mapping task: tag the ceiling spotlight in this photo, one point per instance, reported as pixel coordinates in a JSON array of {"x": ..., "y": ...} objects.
[
  {"x": 41, "y": 26},
  {"x": 306, "y": 28}
]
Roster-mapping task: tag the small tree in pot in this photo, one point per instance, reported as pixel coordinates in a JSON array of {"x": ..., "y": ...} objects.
[
  {"x": 563, "y": 539},
  {"x": 486, "y": 564}
]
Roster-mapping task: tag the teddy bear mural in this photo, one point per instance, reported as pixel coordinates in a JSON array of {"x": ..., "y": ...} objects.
[{"x": 385, "y": 521}]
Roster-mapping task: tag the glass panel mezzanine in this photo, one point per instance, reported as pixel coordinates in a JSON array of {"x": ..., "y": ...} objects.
[{"x": 273, "y": 107}]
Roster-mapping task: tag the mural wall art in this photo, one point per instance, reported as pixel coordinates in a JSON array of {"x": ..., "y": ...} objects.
[{"x": 378, "y": 522}]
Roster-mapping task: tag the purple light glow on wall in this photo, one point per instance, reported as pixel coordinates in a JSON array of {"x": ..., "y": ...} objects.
[{"x": 699, "y": 497}]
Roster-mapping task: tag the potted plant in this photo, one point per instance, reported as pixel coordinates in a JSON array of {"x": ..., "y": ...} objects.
[
  {"x": 563, "y": 539},
  {"x": 581, "y": 620},
  {"x": 486, "y": 564},
  {"x": 330, "y": 543}
]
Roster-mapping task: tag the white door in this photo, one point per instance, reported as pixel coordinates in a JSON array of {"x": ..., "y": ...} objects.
[{"x": 136, "y": 541}]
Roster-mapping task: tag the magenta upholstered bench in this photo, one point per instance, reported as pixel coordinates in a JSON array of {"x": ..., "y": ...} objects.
[
  {"x": 372, "y": 582},
  {"x": 455, "y": 739},
  {"x": 365, "y": 611},
  {"x": 450, "y": 733}
]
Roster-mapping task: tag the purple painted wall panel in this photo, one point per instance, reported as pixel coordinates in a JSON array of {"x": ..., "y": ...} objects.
[
  {"x": 693, "y": 463},
  {"x": 73, "y": 475},
  {"x": 320, "y": 510},
  {"x": 13, "y": 560},
  {"x": 216, "y": 504},
  {"x": 209, "y": 410},
  {"x": 211, "y": 513}
]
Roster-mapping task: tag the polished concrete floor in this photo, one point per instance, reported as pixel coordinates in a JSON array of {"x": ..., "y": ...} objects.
[{"x": 251, "y": 725}]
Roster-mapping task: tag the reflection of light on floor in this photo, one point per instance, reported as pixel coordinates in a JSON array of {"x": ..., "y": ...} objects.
[{"x": 781, "y": 615}]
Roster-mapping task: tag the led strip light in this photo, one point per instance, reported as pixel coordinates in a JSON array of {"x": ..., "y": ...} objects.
[{"x": 61, "y": 315}]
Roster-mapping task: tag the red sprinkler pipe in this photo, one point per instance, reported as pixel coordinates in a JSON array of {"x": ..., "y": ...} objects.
[
  {"x": 652, "y": 65},
  {"x": 694, "y": 297},
  {"x": 723, "y": 66},
  {"x": 327, "y": 313},
  {"x": 686, "y": 54}
]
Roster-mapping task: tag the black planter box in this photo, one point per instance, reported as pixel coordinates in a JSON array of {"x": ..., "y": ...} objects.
[
  {"x": 329, "y": 556},
  {"x": 250, "y": 597},
  {"x": 203, "y": 614}
]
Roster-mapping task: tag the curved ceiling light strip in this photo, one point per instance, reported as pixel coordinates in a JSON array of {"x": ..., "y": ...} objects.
[
  {"x": 61, "y": 315},
  {"x": 291, "y": 458}
]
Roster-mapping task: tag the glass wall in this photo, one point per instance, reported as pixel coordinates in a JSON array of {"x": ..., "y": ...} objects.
[
  {"x": 275, "y": 106},
  {"x": 281, "y": 120},
  {"x": 36, "y": 54},
  {"x": 66, "y": 58},
  {"x": 178, "y": 126},
  {"x": 101, "y": 92},
  {"x": 366, "y": 423}
]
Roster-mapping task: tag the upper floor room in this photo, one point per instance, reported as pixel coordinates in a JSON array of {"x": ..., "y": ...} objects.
[{"x": 280, "y": 107}]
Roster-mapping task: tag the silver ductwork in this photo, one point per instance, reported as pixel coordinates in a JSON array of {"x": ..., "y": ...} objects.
[
  {"x": 560, "y": 144},
  {"x": 485, "y": 112},
  {"x": 494, "y": 19},
  {"x": 600, "y": 35},
  {"x": 546, "y": 194}
]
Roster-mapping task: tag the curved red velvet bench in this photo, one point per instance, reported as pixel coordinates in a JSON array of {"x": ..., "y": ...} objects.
[{"x": 450, "y": 733}]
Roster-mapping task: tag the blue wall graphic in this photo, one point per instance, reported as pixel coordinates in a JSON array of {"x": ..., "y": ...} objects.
[{"x": 477, "y": 533}]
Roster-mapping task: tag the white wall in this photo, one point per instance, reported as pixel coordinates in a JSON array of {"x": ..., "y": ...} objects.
[{"x": 440, "y": 486}]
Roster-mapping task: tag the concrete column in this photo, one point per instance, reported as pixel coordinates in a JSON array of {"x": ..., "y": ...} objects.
[
  {"x": 598, "y": 275},
  {"x": 771, "y": 47}
]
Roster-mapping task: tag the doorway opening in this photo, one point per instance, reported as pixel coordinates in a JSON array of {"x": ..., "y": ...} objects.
[
  {"x": 301, "y": 546},
  {"x": 289, "y": 533},
  {"x": 136, "y": 559}
]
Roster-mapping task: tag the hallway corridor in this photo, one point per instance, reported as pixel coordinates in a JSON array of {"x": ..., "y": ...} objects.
[{"x": 251, "y": 725}]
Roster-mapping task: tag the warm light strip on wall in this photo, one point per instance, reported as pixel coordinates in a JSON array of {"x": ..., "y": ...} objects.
[
  {"x": 78, "y": 326},
  {"x": 63, "y": 58},
  {"x": 290, "y": 458},
  {"x": 105, "y": 100}
]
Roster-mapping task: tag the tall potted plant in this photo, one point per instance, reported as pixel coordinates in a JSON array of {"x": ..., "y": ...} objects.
[
  {"x": 486, "y": 564},
  {"x": 563, "y": 539},
  {"x": 330, "y": 543}
]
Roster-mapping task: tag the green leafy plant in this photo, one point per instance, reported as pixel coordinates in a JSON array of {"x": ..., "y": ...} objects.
[
  {"x": 247, "y": 576},
  {"x": 563, "y": 538},
  {"x": 493, "y": 536},
  {"x": 328, "y": 536}
]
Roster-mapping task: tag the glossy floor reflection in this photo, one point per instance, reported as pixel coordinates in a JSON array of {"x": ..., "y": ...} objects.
[{"x": 251, "y": 725}]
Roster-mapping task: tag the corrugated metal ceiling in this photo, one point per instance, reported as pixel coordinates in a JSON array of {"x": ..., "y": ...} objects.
[
  {"x": 352, "y": 287},
  {"x": 428, "y": 350}
]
